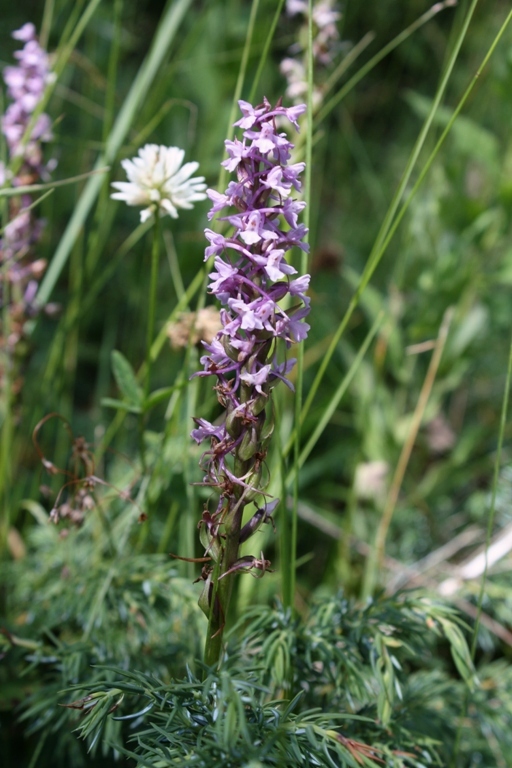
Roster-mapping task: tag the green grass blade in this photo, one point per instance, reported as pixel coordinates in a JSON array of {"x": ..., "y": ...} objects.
[
  {"x": 50, "y": 185},
  {"x": 266, "y": 49},
  {"x": 366, "y": 68},
  {"x": 289, "y": 549},
  {"x": 240, "y": 83}
]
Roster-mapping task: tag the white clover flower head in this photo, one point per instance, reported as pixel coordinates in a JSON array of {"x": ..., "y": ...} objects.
[{"x": 158, "y": 180}]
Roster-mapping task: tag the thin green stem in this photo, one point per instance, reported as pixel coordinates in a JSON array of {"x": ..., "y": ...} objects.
[
  {"x": 113, "y": 63},
  {"x": 153, "y": 283},
  {"x": 264, "y": 55},
  {"x": 46, "y": 24},
  {"x": 240, "y": 81},
  {"x": 29, "y": 189},
  {"x": 6, "y": 434},
  {"x": 290, "y": 564},
  {"x": 366, "y": 68},
  {"x": 155, "y": 261}
]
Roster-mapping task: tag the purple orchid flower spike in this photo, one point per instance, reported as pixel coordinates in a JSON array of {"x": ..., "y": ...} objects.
[{"x": 248, "y": 357}]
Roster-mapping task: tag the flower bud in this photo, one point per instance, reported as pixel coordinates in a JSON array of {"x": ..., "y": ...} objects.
[
  {"x": 253, "y": 480},
  {"x": 259, "y": 404},
  {"x": 249, "y": 444},
  {"x": 233, "y": 423}
]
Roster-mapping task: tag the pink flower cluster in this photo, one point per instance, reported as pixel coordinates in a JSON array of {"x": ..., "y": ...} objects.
[{"x": 251, "y": 277}]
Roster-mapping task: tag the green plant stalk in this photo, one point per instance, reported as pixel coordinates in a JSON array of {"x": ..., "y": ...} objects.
[
  {"x": 350, "y": 58},
  {"x": 109, "y": 269},
  {"x": 149, "y": 129},
  {"x": 46, "y": 24},
  {"x": 170, "y": 521},
  {"x": 73, "y": 314},
  {"x": 264, "y": 55},
  {"x": 54, "y": 355},
  {"x": 366, "y": 68},
  {"x": 490, "y": 525},
  {"x": 239, "y": 83},
  {"x": 113, "y": 64},
  {"x": 5, "y": 394},
  {"x": 289, "y": 550},
  {"x": 39, "y": 746},
  {"x": 188, "y": 528},
  {"x": 174, "y": 265},
  {"x": 30, "y": 207},
  {"x": 153, "y": 284},
  {"x": 29, "y": 189},
  {"x": 222, "y": 584},
  {"x": 492, "y": 509},
  {"x": 340, "y": 70},
  {"x": 222, "y": 589},
  {"x": 64, "y": 382},
  {"x": 155, "y": 261}
]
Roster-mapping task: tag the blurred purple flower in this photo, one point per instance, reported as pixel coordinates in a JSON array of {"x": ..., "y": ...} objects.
[
  {"x": 325, "y": 45},
  {"x": 26, "y": 84}
]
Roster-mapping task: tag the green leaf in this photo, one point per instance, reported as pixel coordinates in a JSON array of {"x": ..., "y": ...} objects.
[
  {"x": 212, "y": 545},
  {"x": 119, "y": 405},
  {"x": 159, "y": 395},
  {"x": 460, "y": 651},
  {"x": 126, "y": 379}
]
